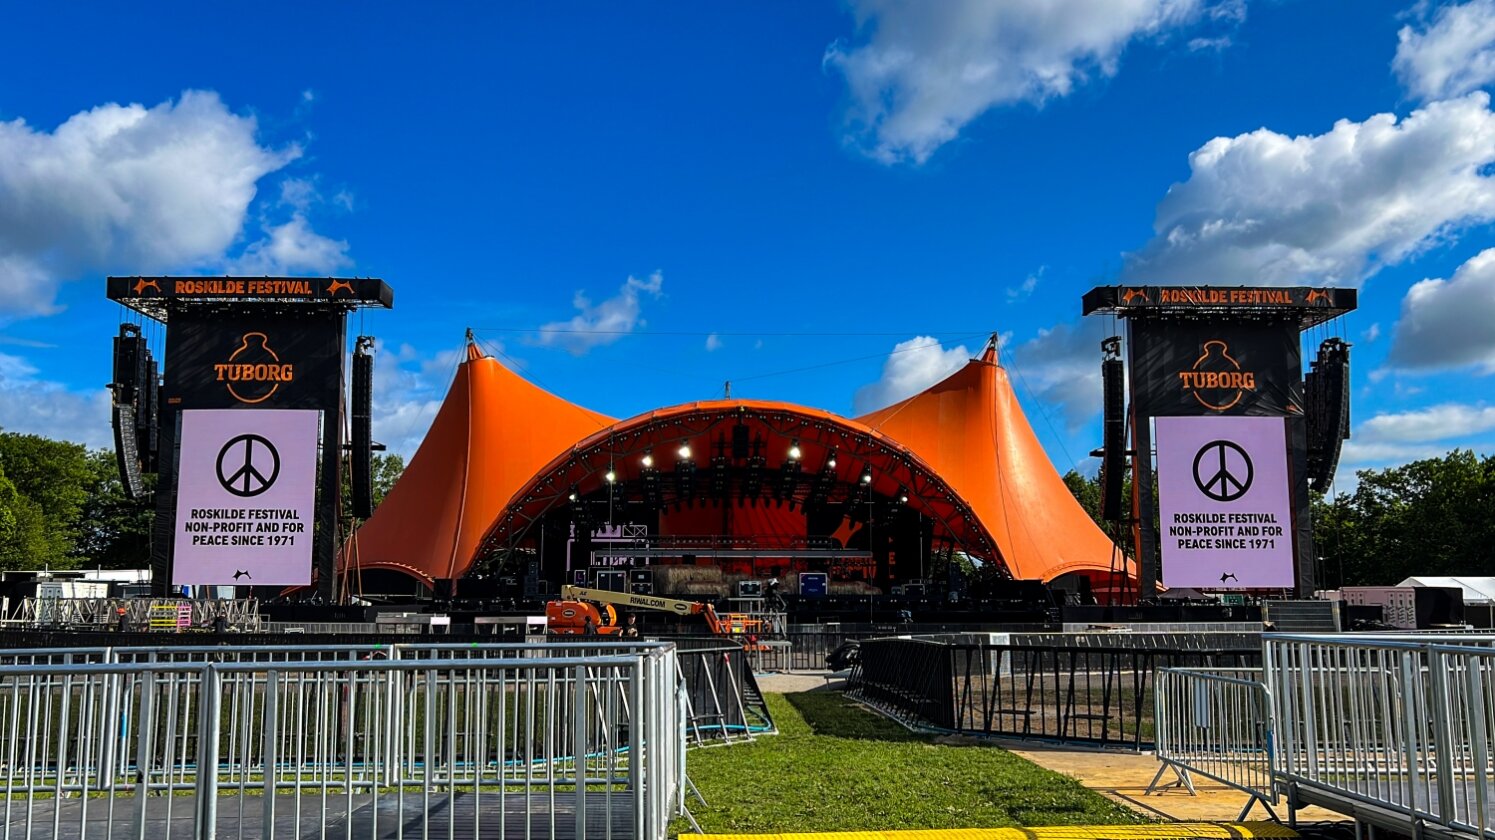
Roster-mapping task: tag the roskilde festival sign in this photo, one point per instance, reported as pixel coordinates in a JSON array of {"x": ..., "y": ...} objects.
[
  {"x": 1225, "y": 504},
  {"x": 246, "y": 497}
]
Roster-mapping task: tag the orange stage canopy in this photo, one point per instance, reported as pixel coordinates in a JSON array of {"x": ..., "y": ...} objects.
[{"x": 501, "y": 451}]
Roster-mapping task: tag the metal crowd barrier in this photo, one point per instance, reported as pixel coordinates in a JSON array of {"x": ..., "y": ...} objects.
[
  {"x": 1216, "y": 724},
  {"x": 577, "y": 741},
  {"x": 1388, "y": 725},
  {"x": 1061, "y": 688}
]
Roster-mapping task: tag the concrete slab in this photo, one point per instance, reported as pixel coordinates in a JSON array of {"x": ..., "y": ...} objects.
[{"x": 1124, "y": 778}]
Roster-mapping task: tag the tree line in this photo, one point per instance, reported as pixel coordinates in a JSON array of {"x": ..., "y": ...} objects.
[
  {"x": 63, "y": 506},
  {"x": 1432, "y": 517}
]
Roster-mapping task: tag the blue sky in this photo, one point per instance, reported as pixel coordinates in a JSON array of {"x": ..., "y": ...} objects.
[{"x": 776, "y": 194}]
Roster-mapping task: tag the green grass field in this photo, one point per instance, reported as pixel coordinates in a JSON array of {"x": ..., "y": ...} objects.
[{"x": 837, "y": 767}]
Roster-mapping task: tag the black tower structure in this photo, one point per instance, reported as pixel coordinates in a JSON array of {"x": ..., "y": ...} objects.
[
  {"x": 1206, "y": 351},
  {"x": 249, "y": 343}
]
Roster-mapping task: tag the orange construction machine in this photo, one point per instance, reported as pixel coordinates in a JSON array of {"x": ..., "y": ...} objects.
[{"x": 568, "y": 616}]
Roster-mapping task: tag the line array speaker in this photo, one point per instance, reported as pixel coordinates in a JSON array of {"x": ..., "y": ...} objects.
[
  {"x": 126, "y": 457},
  {"x": 363, "y": 441},
  {"x": 1327, "y": 388},
  {"x": 136, "y": 397},
  {"x": 1113, "y": 452}
]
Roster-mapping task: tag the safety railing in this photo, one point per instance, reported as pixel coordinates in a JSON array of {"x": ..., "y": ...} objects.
[
  {"x": 722, "y": 701},
  {"x": 1399, "y": 724},
  {"x": 1077, "y": 689},
  {"x": 1218, "y": 725},
  {"x": 582, "y": 745}
]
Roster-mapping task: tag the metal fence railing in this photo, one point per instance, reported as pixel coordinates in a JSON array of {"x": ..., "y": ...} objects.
[
  {"x": 1218, "y": 725},
  {"x": 572, "y": 742},
  {"x": 1071, "y": 689},
  {"x": 1402, "y": 724},
  {"x": 721, "y": 697}
]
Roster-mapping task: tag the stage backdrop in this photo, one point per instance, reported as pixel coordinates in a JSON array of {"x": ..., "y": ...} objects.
[{"x": 1225, "y": 502}]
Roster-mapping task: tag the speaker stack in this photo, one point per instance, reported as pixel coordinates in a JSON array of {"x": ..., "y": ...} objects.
[
  {"x": 363, "y": 441},
  {"x": 136, "y": 402},
  {"x": 1327, "y": 391},
  {"x": 1113, "y": 450}
]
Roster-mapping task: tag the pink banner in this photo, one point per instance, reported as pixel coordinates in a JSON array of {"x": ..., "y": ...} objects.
[
  {"x": 1224, "y": 502},
  {"x": 246, "y": 497}
]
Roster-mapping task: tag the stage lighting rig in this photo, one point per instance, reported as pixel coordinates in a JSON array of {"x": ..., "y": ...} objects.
[
  {"x": 752, "y": 484},
  {"x": 788, "y": 481},
  {"x": 794, "y": 451}
]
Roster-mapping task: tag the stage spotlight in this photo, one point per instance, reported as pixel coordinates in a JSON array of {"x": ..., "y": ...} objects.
[
  {"x": 648, "y": 458},
  {"x": 867, "y": 474},
  {"x": 684, "y": 452},
  {"x": 794, "y": 452},
  {"x": 610, "y": 477},
  {"x": 830, "y": 463},
  {"x": 903, "y": 495},
  {"x": 572, "y": 495}
]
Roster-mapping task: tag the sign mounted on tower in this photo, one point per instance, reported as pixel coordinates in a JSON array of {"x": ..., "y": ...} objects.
[{"x": 246, "y": 499}]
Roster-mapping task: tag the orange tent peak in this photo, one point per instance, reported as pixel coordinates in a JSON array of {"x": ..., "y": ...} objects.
[
  {"x": 474, "y": 352},
  {"x": 989, "y": 355}
]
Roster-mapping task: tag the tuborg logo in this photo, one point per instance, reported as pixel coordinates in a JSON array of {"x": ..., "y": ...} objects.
[
  {"x": 254, "y": 372},
  {"x": 1216, "y": 380}
]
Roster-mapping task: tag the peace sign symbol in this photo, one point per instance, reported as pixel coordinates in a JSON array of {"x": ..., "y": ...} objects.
[
  {"x": 1223, "y": 470},
  {"x": 242, "y": 463}
]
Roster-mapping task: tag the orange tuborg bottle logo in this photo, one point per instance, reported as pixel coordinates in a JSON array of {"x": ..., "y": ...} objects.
[
  {"x": 1216, "y": 380},
  {"x": 254, "y": 372}
]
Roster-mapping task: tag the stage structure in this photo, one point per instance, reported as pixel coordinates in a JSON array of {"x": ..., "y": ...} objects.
[
  {"x": 713, "y": 499},
  {"x": 1218, "y": 394},
  {"x": 245, "y": 433}
]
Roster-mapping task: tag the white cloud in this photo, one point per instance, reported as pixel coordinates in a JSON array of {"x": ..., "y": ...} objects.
[
  {"x": 1449, "y": 421},
  {"x": 1371, "y": 333},
  {"x": 1449, "y": 323},
  {"x": 1061, "y": 367},
  {"x": 1267, "y": 208},
  {"x": 1450, "y": 54},
  {"x": 713, "y": 343},
  {"x": 1024, "y": 290},
  {"x": 912, "y": 366},
  {"x": 408, "y": 389},
  {"x": 1356, "y": 453},
  {"x": 31, "y": 405},
  {"x": 920, "y": 71},
  {"x": 292, "y": 248},
  {"x": 124, "y": 188},
  {"x": 604, "y": 322}
]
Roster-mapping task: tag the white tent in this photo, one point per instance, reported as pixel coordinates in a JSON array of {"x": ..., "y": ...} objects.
[{"x": 1477, "y": 590}]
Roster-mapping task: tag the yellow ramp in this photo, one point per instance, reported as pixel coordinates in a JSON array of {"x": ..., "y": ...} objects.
[{"x": 1165, "y": 831}]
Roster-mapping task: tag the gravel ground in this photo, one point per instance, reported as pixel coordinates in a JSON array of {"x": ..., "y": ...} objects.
[{"x": 796, "y": 681}]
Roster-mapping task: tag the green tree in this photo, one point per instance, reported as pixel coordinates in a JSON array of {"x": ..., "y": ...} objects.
[
  {"x": 23, "y": 533},
  {"x": 1429, "y": 517},
  {"x": 385, "y": 470},
  {"x": 54, "y": 477},
  {"x": 1086, "y": 491},
  {"x": 114, "y": 531}
]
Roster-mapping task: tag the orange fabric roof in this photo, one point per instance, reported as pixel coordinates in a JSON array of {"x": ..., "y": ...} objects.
[
  {"x": 615, "y": 448},
  {"x": 971, "y": 430},
  {"x": 493, "y": 432},
  {"x": 496, "y": 435}
]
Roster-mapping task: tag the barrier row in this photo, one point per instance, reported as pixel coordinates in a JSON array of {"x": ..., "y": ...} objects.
[{"x": 538, "y": 741}]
